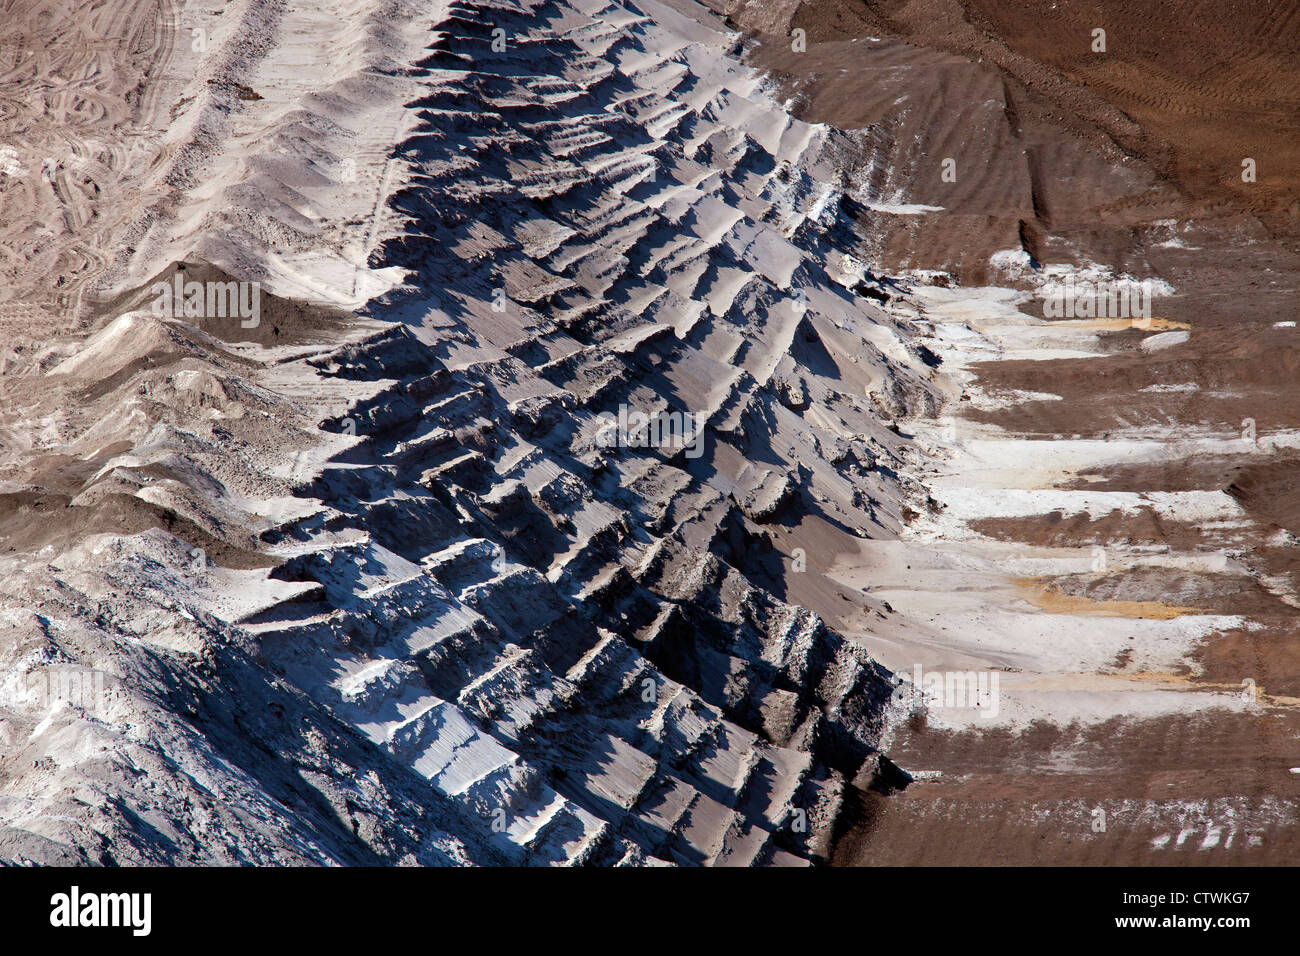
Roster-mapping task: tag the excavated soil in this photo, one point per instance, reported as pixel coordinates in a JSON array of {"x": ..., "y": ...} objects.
[{"x": 369, "y": 589}]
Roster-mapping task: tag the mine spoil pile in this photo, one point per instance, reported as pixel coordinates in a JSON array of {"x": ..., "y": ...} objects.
[{"x": 354, "y": 577}]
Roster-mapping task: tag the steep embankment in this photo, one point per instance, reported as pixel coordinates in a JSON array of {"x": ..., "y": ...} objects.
[{"x": 360, "y": 577}]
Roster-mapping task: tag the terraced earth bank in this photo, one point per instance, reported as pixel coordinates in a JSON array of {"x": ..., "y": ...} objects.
[
  {"x": 592, "y": 425},
  {"x": 350, "y": 568}
]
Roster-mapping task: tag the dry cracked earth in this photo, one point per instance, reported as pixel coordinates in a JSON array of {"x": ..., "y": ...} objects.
[{"x": 339, "y": 519}]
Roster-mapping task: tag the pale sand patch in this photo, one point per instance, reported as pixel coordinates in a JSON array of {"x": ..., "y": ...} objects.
[{"x": 964, "y": 602}]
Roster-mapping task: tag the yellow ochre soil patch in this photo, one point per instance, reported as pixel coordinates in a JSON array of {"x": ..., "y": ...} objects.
[
  {"x": 1153, "y": 324},
  {"x": 1158, "y": 680},
  {"x": 1054, "y": 602}
]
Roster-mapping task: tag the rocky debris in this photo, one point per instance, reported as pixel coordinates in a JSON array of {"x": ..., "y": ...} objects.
[{"x": 763, "y": 493}]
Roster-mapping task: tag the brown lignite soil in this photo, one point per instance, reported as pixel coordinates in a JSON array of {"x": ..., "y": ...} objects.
[
  {"x": 1191, "y": 88},
  {"x": 1131, "y": 159}
]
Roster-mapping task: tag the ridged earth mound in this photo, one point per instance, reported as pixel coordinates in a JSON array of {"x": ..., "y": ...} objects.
[{"x": 369, "y": 576}]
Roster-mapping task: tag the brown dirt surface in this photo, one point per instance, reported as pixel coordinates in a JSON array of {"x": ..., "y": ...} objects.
[
  {"x": 1189, "y": 87},
  {"x": 1131, "y": 159}
]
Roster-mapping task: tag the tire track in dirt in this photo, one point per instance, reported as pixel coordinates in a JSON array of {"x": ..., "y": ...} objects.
[{"x": 66, "y": 105}]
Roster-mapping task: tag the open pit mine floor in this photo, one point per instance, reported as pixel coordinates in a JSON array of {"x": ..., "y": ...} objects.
[
  {"x": 584, "y": 432},
  {"x": 1111, "y": 524}
]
